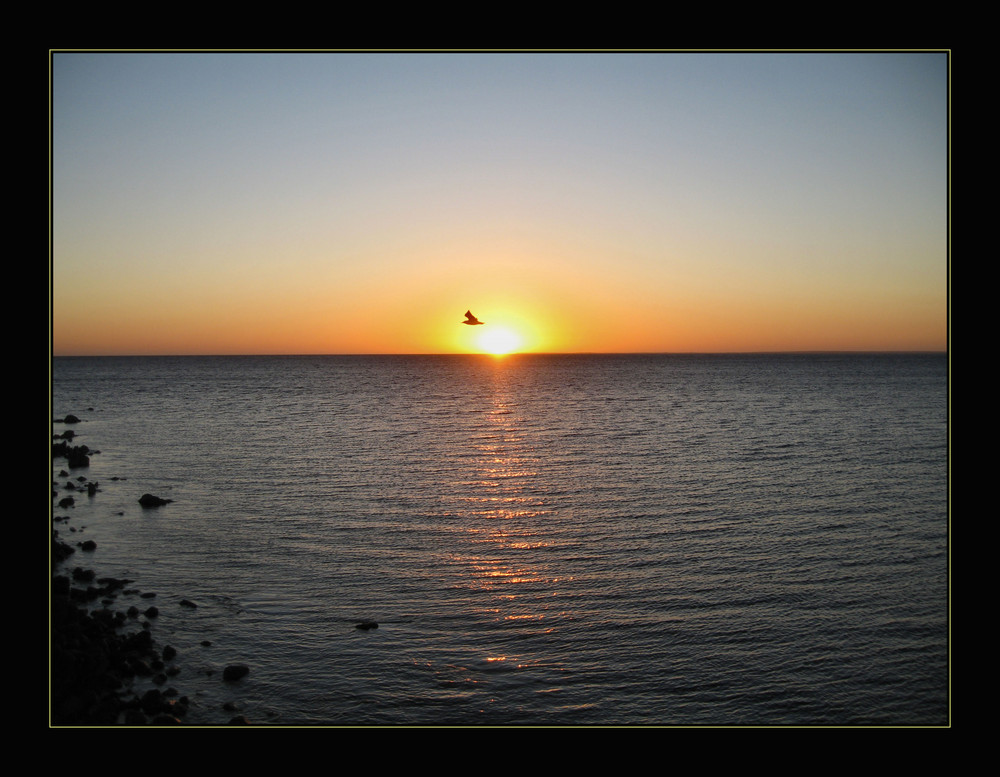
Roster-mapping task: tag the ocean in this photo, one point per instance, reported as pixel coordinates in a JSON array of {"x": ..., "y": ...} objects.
[{"x": 543, "y": 540}]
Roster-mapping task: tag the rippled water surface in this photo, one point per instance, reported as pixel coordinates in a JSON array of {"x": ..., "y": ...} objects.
[{"x": 545, "y": 540}]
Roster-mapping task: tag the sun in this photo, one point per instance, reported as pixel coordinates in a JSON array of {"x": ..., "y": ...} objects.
[{"x": 499, "y": 341}]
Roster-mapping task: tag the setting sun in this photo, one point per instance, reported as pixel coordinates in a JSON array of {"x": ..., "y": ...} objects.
[{"x": 499, "y": 341}]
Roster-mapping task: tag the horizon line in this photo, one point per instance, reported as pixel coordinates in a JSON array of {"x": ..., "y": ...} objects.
[{"x": 522, "y": 353}]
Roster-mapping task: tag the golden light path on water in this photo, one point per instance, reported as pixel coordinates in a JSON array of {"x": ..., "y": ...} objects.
[{"x": 505, "y": 516}]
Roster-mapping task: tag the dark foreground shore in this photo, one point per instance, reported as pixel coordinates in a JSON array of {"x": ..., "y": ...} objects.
[
  {"x": 97, "y": 653},
  {"x": 106, "y": 668}
]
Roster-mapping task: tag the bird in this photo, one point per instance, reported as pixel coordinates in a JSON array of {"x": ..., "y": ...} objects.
[{"x": 471, "y": 320}]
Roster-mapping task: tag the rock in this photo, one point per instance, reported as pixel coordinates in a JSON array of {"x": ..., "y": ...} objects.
[
  {"x": 60, "y": 550},
  {"x": 88, "y": 545},
  {"x": 66, "y": 501},
  {"x": 112, "y": 584},
  {"x": 140, "y": 642},
  {"x": 71, "y": 419},
  {"x": 141, "y": 668},
  {"x": 148, "y": 500},
  {"x": 366, "y": 625},
  {"x": 151, "y": 702},
  {"x": 188, "y": 603},
  {"x": 235, "y": 672},
  {"x": 176, "y": 707},
  {"x": 77, "y": 456}
]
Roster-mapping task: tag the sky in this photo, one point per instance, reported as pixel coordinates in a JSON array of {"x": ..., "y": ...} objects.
[{"x": 279, "y": 203}]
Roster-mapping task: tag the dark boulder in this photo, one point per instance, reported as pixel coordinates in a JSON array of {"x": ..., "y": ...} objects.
[
  {"x": 60, "y": 550},
  {"x": 140, "y": 642},
  {"x": 148, "y": 500},
  {"x": 235, "y": 672},
  {"x": 141, "y": 667},
  {"x": 77, "y": 456},
  {"x": 152, "y": 701}
]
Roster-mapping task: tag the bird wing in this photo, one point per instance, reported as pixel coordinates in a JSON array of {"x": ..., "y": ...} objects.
[{"x": 468, "y": 315}]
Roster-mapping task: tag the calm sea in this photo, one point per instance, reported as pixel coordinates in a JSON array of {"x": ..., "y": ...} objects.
[{"x": 543, "y": 540}]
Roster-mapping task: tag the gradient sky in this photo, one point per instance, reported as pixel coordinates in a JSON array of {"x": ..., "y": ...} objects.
[{"x": 360, "y": 203}]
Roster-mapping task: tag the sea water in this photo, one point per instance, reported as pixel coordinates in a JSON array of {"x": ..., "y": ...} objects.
[{"x": 542, "y": 540}]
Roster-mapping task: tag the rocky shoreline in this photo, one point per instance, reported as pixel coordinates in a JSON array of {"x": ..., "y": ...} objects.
[{"x": 99, "y": 653}]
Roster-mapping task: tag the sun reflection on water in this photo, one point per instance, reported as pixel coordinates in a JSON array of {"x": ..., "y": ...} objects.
[{"x": 504, "y": 512}]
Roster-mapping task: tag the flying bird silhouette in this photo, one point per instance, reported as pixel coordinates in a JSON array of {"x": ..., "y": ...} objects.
[{"x": 471, "y": 320}]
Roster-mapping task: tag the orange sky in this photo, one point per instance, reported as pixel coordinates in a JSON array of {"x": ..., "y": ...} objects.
[{"x": 330, "y": 203}]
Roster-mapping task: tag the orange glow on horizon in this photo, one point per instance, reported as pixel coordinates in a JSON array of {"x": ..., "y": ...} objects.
[{"x": 553, "y": 311}]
